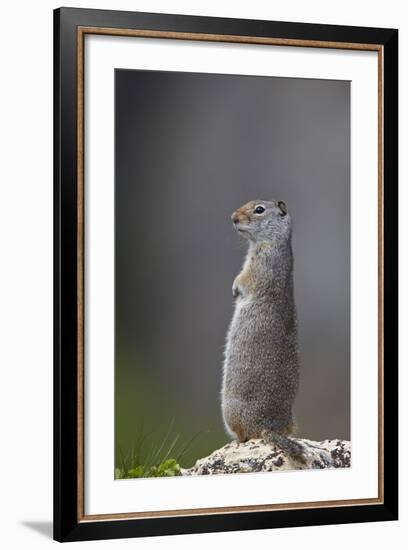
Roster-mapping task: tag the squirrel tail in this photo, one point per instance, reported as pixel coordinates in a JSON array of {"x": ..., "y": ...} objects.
[{"x": 289, "y": 446}]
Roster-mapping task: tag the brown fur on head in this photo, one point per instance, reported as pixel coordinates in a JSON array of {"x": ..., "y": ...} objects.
[{"x": 260, "y": 220}]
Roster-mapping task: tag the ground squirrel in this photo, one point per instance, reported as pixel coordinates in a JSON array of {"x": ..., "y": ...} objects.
[{"x": 261, "y": 365}]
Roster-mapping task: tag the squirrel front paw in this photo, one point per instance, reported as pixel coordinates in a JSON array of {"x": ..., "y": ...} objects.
[{"x": 235, "y": 291}]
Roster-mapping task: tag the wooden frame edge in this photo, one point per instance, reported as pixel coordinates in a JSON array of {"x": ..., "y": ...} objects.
[
  {"x": 187, "y": 512},
  {"x": 206, "y": 37},
  {"x": 381, "y": 273},
  {"x": 80, "y": 273},
  {"x": 379, "y": 48}
]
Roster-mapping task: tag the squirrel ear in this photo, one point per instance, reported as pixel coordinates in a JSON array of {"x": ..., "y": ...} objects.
[{"x": 282, "y": 207}]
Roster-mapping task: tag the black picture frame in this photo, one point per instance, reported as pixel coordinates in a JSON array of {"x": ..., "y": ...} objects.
[{"x": 68, "y": 525}]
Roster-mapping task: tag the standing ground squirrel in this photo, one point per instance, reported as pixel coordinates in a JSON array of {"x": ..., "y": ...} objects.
[{"x": 261, "y": 366}]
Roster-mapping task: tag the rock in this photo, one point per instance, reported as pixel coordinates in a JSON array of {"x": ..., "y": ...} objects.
[{"x": 256, "y": 455}]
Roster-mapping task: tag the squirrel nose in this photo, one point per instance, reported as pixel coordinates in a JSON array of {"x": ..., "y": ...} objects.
[{"x": 235, "y": 217}]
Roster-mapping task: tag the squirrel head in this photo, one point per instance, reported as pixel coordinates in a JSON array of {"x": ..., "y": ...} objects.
[{"x": 263, "y": 221}]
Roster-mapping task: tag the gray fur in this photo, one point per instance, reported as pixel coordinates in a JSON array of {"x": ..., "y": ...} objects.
[{"x": 261, "y": 360}]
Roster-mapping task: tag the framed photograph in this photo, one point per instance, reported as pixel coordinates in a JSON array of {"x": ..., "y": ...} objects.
[{"x": 225, "y": 274}]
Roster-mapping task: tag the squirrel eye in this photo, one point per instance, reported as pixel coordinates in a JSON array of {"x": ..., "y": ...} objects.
[{"x": 259, "y": 210}]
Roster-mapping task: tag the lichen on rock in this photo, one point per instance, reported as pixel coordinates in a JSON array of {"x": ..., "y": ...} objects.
[{"x": 256, "y": 455}]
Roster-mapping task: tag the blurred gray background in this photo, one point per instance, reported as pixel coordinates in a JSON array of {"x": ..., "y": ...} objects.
[{"x": 189, "y": 149}]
